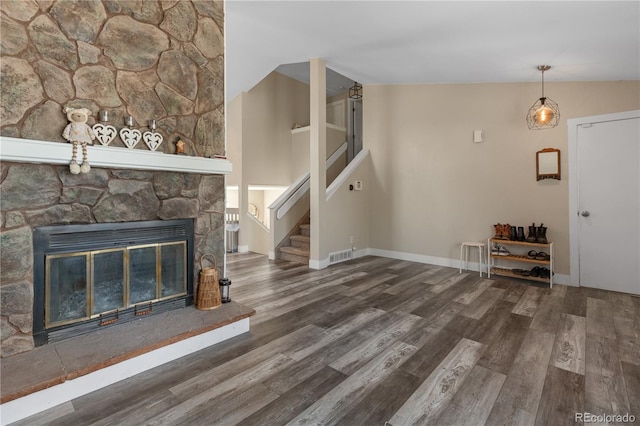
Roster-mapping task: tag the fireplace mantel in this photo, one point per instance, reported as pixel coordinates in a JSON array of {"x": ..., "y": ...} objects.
[{"x": 45, "y": 152}]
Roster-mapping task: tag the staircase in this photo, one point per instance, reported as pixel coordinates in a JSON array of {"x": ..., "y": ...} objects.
[{"x": 299, "y": 246}]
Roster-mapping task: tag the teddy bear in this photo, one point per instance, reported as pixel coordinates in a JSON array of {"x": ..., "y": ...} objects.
[{"x": 78, "y": 131}]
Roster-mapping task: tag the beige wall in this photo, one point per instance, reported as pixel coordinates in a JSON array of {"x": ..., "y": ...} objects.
[
  {"x": 259, "y": 143},
  {"x": 270, "y": 196},
  {"x": 256, "y": 198},
  {"x": 348, "y": 213},
  {"x": 269, "y": 111},
  {"x": 300, "y": 139},
  {"x": 234, "y": 140},
  {"x": 300, "y": 150},
  {"x": 259, "y": 234},
  {"x": 432, "y": 187}
]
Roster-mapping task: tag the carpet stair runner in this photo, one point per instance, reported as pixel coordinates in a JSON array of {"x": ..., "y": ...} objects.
[{"x": 299, "y": 246}]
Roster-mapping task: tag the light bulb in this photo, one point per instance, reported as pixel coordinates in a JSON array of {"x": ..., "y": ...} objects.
[{"x": 544, "y": 115}]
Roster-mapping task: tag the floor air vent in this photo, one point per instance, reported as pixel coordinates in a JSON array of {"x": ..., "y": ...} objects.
[{"x": 340, "y": 256}]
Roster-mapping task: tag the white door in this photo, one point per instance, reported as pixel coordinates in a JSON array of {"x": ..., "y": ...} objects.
[
  {"x": 608, "y": 162},
  {"x": 335, "y": 113}
]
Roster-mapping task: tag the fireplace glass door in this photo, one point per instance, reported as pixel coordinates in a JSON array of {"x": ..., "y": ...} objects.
[
  {"x": 67, "y": 297},
  {"x": 143, "y": 274},
  {"x": 109, "y": 279},
  {"x": 85, "y": 285}
]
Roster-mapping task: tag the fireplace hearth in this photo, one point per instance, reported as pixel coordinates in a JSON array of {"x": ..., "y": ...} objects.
[{"x": 92, "y": 276}]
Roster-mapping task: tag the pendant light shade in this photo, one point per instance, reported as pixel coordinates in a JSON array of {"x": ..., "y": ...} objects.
[
  {"x": 355, "y": 91},
  {"x": 544, "y": 113}
]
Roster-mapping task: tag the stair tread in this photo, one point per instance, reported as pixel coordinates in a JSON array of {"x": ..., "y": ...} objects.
[
  {"x": 294, "y": 258},
  {"x": 295, "y": 250},
  {"x": 305, "y": 229},
  {"x": 302, "y": 238}
]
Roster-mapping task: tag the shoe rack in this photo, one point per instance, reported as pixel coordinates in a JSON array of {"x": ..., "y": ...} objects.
[{"x": 518, "y": 253}]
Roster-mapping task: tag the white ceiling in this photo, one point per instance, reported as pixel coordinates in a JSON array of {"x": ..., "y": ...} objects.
[{"x": 421, "y": 42}]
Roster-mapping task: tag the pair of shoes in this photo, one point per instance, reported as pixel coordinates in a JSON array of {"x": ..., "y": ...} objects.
[
  {"x": 541, "y": 234},
  {"x": 523, "y": 272},
  {"x": 545, "y": 273},
  {"x": 538, "y": 255},
  {"x": 499, "y": 250},
  {"x": 537, "y": 234},
  {"x": 502, "y": 231},
  {"x": 535, "y": 272}
]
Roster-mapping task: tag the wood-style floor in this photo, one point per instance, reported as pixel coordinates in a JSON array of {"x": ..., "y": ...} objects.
[{"x": 376, "y": 340}]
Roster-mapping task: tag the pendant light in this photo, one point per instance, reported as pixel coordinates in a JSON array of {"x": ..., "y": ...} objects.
[
  {"x": 355, "y": 91},
  {"x": 544, "y": 113}
]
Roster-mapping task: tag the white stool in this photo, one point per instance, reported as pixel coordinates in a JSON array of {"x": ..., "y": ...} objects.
[{"x": 464, "y": 247}]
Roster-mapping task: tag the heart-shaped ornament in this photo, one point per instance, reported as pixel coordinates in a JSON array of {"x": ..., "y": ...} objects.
[
  {"x": 130, "y": 137},
  {"x": 104, "y": 133},
  {"x": 152, "y": 139}
]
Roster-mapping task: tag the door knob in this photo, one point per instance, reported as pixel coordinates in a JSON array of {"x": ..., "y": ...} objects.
[{"x": 585, "y": 213}]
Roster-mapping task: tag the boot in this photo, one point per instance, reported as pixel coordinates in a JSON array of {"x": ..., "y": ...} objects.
[
  {"x": 506, "y": 229},
  {"x": 502, "y": 231},
  {"x": 513, "y": 234},
  {"x": 541, "y": 235},
  {"x": 532, "y": 234},
  {"x": 498, "y": 231},
  {"x": 521, "y": 233}
]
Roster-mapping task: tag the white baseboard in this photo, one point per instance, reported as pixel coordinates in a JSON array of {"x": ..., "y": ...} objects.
[
  {"x": 441, "y": 261},
  {"x": 243, "y": 249},
  {"x": 420, "y": 258},
  {"x": 318, "y": 264},
  {"x": 272, "y": 255},
  {"x": 562, "y": 279},
  {"x": 360, "y": 253},
  {"x": 34, "y": 403}
]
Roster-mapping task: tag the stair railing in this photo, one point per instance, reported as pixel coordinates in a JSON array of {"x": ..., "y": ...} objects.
[
  {"x": 296, "y": 191},
  {"x": 292, "y": 198}
]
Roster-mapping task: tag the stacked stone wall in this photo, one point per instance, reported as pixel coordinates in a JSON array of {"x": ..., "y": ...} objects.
[
  {"x": 151, "y": 59},
  {"x": 159, "y": 60}
]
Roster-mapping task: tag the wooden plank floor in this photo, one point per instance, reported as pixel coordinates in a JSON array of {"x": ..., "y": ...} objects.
[{"x": 377, "y": 341}]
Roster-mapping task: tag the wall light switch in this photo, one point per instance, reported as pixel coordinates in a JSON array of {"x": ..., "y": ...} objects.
[
  {"x": 358, "y": 185},
  {"x": 478, "y": 136}
]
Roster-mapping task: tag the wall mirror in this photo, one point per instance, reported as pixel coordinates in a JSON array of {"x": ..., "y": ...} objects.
[{"x": 548, "y": 164}]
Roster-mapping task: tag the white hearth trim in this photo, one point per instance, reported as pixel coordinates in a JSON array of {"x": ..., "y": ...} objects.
[
  {"x": 46, "y": 152},
  {"x": 26, "y": 406}
]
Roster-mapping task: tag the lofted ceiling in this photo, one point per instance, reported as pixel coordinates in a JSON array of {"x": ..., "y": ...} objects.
[{"x": 426, "y": 42}]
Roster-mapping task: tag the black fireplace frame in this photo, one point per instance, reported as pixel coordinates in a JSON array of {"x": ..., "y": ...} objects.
[{"x": 49, "y": 240}]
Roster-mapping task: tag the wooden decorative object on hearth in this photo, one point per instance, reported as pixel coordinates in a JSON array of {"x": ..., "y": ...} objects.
[{"x": 208, "y": 296}]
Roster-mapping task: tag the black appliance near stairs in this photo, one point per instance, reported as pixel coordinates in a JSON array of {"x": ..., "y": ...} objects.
[{"x": 299, "y": 245}]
